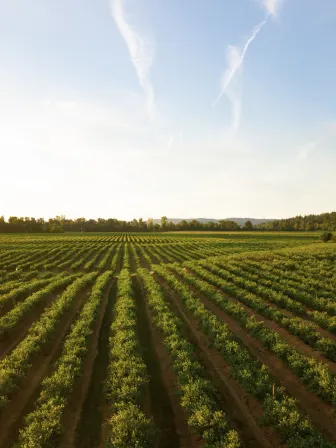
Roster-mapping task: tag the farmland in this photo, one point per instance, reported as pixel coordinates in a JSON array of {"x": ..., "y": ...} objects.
[{"x": 167, "y": 340}]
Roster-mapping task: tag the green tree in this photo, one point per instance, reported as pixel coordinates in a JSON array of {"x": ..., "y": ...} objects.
[
  {"x": 150, "y": 224},
  {"x": 248, "y": 225},
  {"x": 164, "y": 222},
  {"x": 326, "y": 236}
]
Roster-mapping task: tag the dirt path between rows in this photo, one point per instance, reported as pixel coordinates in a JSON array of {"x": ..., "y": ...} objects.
[
  {"x": 320, "y": 413},
  {"x": 242, "y": 410},
  {"x": 159, "y": 402},
  {"x": 95, "y": 409},
  {"x": 120, "y": 260},
  {"x": 12, "y": 339},
  {"x": 100, "y": 258},
  {"x": 143, "y": 262},
  {"x": 295, "y": 341},
  {"x": 325, "y": 333},
  {"x": 154, "y": 256},
  {"x": 9, "y": 305},
  {"x": 22, "y": 401},
  {"x": 107, "y": 266},
  {"x": 74, "y": 410},
  {"x": 133, "y": 264}
]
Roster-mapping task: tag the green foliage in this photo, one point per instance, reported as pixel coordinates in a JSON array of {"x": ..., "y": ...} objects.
[
  {"x": 127, "y": 375},
  {"x": 254, "y": 377},
  {"x": 57, "y": 388},
  {"x": 129, "y": 427},
  {"x": 14, "y": 367},
  {"x": 205, "y": 418},
  {"x": 310, "y": 371},
  {"x": 324, "y": 221},
  {"x": 60, "y": 224},
  {"x": 12, "y": 318},
  {"x": 248, "y": 225},
  {"x": 326, "y": 236}
]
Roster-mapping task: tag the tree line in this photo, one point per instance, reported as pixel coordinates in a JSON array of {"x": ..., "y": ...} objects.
[
  {"x": 324, "y": 221},
  {"x": 60, "y": 224}
]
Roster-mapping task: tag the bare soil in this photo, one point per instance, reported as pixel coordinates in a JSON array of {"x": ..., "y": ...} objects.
[
  {"x": 74, "y": 410},
  {"x": 294, "y": 341},
  {"x": 320, "y": 413},
  {"x": 12, "y": 339},
  {"x": 242, "y": 410},
  {"x": 157, "y": 403},
  {"x": 23, "y": 399}
]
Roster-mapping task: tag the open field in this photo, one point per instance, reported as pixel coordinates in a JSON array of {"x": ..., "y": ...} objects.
[{"x": 167, "y": 340}]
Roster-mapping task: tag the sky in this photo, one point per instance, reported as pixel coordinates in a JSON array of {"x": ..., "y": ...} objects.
[{"x": 189, "y": 109}]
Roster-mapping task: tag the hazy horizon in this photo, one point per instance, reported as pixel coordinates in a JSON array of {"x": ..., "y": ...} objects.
[{"x": 151, "y": 108}]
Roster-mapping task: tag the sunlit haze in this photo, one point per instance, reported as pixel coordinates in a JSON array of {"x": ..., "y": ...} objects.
[{"x": 144, "y": 108}]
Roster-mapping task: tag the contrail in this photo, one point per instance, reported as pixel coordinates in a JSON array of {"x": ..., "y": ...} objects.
[
  {"x": 170, "y": 142},
  {"x": 271, "y": 6},
  {"x": 235, "y": 100},
  {"x": 236, "y": 59},
  {"x": 141, "y": 51}
]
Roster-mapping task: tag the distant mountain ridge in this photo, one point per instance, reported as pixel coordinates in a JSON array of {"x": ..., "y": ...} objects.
[{"x": 240, "y": 221}]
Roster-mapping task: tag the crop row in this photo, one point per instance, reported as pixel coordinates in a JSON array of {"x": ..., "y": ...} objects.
[
  {"x": 245, "y": 286},
  {"x": 134, "y": 254},
  {"x": 126, "y": 258},
  {"x": 24, "y": 259},
  {"x": 127, "y": 375},
  {"x": 23, "y": 288},
  {"x": 310, "y": 371},
  {"x": 13, "y": 317},
  {"x": 196, "y": 391},
  {"x": 43, "y": 425},
  {"x": 280, "y": 410},
  {"x": 302, "y": 281},
  {"x": 103, "y": 262},
  {"x": 144, "y": 254},
  {"x": 91, "y": 263},
  {"x": 14, "y": 367},
  {"x": 281, "y": 286}
]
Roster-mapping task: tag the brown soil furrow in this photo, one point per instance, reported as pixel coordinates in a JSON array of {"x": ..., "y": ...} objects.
[
  {"x": 109, "y": 260},
  {"x": 21, "y": 298},
  {"x": 12, "y": 339},
  {"x": 152, "y": 255},
  {"x": 242, "y": 409},
  {"x": 143, "y": 262},
  {"x": 22, "y": 401},
  {"x": 120, "y": 259},
  {"x": 325, "y": 333},
  {"x": 133, "y": 265},
  {"x": 95, "y": 410},
  {"x": 295, "y": 341},
  {"x": 99, "y": 259},
  {"x": 179, "y": 426},
  {"x": 320, "y": 413},
  {"x": 157, "y": 403},
  {"x": 74, "y": 410}
]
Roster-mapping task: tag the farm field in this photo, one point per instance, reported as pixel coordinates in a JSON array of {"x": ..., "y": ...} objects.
[{"x": 167, "y": 340}]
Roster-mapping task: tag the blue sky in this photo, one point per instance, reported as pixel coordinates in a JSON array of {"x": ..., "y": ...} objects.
[{"x": 144, "y": 108}]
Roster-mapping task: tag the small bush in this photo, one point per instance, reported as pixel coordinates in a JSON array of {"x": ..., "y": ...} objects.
[{"x": 326, "y": 236}]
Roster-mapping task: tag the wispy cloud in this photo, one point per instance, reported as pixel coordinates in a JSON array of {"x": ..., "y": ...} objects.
[
  {"x": 272, "y": 6},
  {"x": 141, "y": 50},
  {"x": 170, "y": 142},
  {"x": 235, "y": 59},
  {"x": 304, "y": 151}
]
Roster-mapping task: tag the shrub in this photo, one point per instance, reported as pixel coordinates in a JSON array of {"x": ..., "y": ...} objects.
[{"x": 326, "y": 236}]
